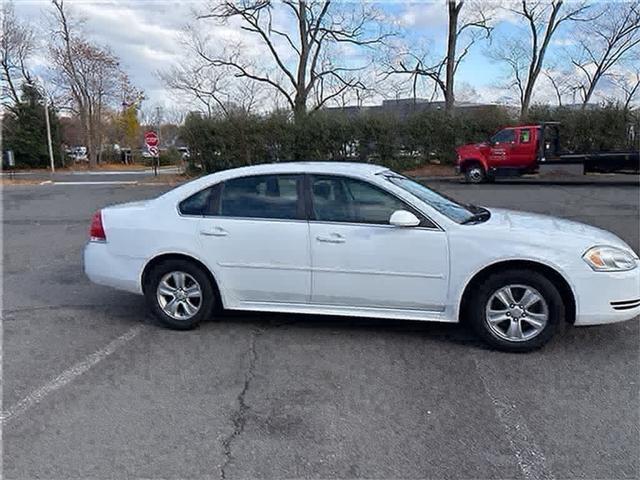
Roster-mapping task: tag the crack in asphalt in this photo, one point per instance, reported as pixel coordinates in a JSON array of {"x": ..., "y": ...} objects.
[
  {"x": 529, "y": 456},
  {"x": 239, "y": 415}
]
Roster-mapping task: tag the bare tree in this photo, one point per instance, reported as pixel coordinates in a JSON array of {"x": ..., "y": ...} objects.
[
  {"x": 526, "y": 61},
  {"x": 16, "y": 46},
  {"x": 464, "y": 30},
  {"x": 629, "y": 84},
  {"x": 561, "y": 82},
  {"x": 215, "y": 90},
  {"x": 90, "y": 77},
  {"x": 605, "y": 42},
  {"x": 305, "y": 62}
]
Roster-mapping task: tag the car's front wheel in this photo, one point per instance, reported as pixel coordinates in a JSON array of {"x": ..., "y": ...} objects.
[
  {"x": 516, "y": 310},
  {"x": 180, "y": 294},
  {"x": 475, "y": 173}
]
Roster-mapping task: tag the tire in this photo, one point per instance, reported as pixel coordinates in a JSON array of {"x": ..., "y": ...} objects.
[
  {"x": 516, "y": 329},
  {"x": 474, "y": 173},
  {"x": 183, "y": 287}
]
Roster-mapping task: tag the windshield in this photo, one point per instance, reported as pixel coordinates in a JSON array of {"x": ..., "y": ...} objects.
[
  {"x": 504, "y": 136},
  {"x": 457, "y": 212}
]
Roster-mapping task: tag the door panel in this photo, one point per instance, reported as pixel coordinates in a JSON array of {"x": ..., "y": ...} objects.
[
  {"x": 259, "y": 260},
  {"x": 523, "y": 152},
  {"x": 359, "y": 260},
  {"x": 378, "y": 266},
  {"x": 502, "y": 145},
  {"x": 257, "y": 239}
]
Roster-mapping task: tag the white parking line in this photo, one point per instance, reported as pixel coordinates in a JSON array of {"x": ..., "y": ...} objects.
[
  {"x": 148, "y": 171},
  {"x": 114, "y": 182},
  {"x": 67, "y": 376},
  {"x": 529, "y": 456}
]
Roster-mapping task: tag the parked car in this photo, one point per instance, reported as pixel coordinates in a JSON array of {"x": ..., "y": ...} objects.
[
  {"x": 184, "y": 153},
  {"x": 78, "y": 153},
  {"x": 523, "y": 149},
  {"x": 360, "y": 240}
]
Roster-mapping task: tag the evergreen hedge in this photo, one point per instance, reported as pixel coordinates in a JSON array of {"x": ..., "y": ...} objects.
[{"x": 398, "y": 142}]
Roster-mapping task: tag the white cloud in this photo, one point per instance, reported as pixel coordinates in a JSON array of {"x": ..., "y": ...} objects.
[{"x": 421, "y": 15}]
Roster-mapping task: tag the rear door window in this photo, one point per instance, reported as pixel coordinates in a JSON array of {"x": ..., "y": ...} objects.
[
  {"x": 525, "y": 136},
  {"x": 197, "y": 204},
  {"x": 262, "y": 196}
]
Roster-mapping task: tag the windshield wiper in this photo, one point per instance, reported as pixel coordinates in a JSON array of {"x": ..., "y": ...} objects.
[{"x": 480, "y": 214}]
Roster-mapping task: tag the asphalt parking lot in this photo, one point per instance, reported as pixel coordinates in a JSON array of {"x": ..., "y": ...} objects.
[{"x": 93, "y": 388}]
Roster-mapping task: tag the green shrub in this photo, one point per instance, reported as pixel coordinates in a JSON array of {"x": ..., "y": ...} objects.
[
  {"x": 170, "y": 156},
  {"x": 397, "y": 142},
  {"x": 592, "y": 129}
]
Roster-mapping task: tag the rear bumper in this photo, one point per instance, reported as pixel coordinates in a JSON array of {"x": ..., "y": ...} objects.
[
  {"x": 603, "y": 298},
  {"x": 117, "y": 271}
]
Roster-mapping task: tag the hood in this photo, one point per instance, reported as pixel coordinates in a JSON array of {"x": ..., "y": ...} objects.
[
  {"x": 471, "y": 147},
  {"x": 538, "y": 228}
]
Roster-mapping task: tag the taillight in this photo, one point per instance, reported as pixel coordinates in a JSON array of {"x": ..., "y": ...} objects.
[{"x": 96, "y": 232}]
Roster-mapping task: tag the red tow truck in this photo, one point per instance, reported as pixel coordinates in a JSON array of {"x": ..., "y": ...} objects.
[{"x": 515, "y": 151}]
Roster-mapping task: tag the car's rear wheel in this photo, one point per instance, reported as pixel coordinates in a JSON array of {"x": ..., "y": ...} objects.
[
  {"x": 516, "y": 310},
  {"x": 475, "y": 173},
  {"x": 180, "y": 294}
]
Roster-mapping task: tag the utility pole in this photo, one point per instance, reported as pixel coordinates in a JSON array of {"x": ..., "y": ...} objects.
[
  {"x": 159, "y": 122},
  {"x": 48, "y": 123}
]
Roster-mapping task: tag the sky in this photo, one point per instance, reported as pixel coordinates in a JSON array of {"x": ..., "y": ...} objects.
[{"x": 147, "y": 36}]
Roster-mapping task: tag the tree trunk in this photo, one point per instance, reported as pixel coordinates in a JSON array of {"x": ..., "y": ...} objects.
[
  {"x": 524, "y": 108},
  {"x": 592, "y": 87},
  {"x": 449, "y": 95},
  {"x": 538, "y": 56},
  {"x": 534, "y": 71},
  {"x": 299, "y": 107},
  {"x": 300, "y": 101},
  {"x": 92, "y": 154}
]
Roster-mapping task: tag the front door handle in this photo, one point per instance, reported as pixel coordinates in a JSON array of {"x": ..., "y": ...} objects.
[
  {"x": 331, "y": 238},
  {"x": 214, "y": 232}
]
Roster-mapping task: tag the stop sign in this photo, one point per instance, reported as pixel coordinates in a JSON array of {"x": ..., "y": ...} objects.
[{"x": 151, "y": 139}]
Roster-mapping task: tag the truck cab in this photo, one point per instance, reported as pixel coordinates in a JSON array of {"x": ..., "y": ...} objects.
[{"x": 510, "y": 151}]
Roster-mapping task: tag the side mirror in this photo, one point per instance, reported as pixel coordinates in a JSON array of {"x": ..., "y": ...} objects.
[{"x": 402, "y": 218}]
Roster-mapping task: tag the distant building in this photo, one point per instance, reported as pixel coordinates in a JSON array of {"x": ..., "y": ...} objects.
[
  {"x": 581, "y": 106},
  {"x": 403, "y": 107}
]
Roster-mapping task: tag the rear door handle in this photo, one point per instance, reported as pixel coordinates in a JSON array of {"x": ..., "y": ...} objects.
[
  {"x": 331, "y": 238},
  {"x": 214, "y": 232}
]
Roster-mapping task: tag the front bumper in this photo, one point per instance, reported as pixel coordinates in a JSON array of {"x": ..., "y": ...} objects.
[{"x": 603, "y": 297}]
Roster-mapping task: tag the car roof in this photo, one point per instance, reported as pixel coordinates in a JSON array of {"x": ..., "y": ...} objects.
[
  {"x": 341, "y": 168},
  {"x": 305, "y": 167}
]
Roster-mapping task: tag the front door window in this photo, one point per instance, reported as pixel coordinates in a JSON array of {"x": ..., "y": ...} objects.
[{"x": 342, "y": 199}]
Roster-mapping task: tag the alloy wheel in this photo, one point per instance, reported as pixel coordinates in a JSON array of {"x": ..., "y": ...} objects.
[
  {"x": 179, "y": 295},
  {"x": 475, "y": 174},
  {"x": 517, "y": 313}
]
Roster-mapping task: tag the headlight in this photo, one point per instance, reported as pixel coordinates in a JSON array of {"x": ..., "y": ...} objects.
[{"x": 609, "y": 259}]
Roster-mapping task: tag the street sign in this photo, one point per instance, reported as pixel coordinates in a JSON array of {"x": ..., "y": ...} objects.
[
  {"x": 151, "y": 141},
  {"x": 151, "y": 138}
]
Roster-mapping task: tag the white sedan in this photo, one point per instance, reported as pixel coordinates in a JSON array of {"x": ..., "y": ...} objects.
[{"x": 360, "y": 240}]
